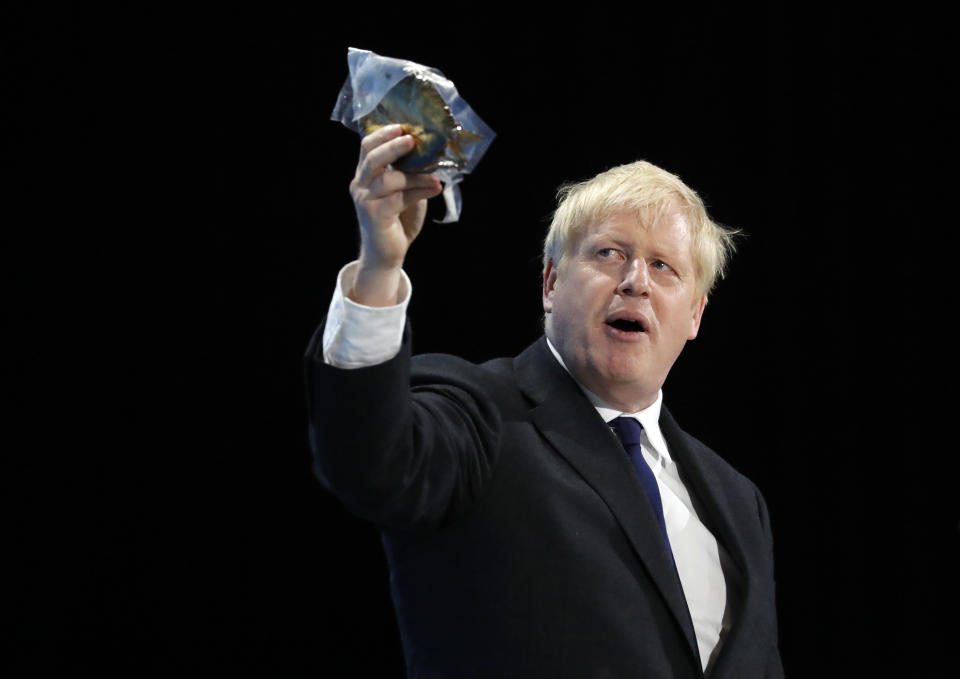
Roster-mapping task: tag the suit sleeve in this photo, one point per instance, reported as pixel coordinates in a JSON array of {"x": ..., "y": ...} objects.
[{"x": 401, "y": 447}]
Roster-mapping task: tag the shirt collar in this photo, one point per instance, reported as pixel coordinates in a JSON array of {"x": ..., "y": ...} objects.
[{"x": 649, "y": 417}]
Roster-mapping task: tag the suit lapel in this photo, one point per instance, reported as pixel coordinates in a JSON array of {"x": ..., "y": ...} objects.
[
  {"x": 568, "y": 421},
  {"x": 726, "y": 520},
  {"x": 707, "y": 489}
]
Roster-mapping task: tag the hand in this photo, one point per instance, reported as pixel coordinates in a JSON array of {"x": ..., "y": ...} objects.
[{"x": 391, "y": 206}]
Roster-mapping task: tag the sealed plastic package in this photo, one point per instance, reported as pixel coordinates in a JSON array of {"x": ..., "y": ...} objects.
[{"x": 449, "y": 137}]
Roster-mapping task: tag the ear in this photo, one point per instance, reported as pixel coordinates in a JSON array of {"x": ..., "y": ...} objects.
[
  {"x": 698, "y": 308},
  {"x": 549, "y": 286}
]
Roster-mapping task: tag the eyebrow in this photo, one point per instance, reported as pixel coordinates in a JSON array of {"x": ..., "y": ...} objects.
[{"x": 596, "y": 238}]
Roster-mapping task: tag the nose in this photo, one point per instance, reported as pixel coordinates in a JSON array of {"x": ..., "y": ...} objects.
[{"x": 635, "y": 280}]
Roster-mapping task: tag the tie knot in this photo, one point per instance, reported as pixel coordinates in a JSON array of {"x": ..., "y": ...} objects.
[{"x": 628, "y": 429}]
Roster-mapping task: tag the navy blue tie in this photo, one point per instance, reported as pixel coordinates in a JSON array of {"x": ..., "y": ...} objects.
[{"x": 629, "y": 430}]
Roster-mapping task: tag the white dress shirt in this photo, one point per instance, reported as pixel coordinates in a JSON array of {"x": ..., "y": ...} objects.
[{"x": 356, "y": 336}]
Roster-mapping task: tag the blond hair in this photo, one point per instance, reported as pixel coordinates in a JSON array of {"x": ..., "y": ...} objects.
[{"x": 636, "y": 187}]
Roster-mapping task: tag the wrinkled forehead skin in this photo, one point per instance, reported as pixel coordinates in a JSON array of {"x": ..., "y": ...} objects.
[{"x": 647, "y": 217}]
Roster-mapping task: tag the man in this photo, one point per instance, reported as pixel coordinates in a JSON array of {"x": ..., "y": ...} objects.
[{"x": 525, "y": 538}]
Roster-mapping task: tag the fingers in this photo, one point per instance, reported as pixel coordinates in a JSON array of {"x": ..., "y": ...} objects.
[
  {"x": 392, "y": 203},
  {"x": 381, "y": 148},
  {"x": 374, "y": 178},
  {"x": 386, "y": 183},
  {"x": 394, "y": 180},
  {"x": 414, "y": 195},
  {"x": 398, "y": 203},
  {"x": 379, "y": 136}
]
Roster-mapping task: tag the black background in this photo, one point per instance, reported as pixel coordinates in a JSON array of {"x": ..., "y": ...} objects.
[{"x": 179, "y": 215}]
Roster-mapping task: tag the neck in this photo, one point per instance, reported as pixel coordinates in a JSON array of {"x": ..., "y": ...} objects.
[{"x": 626, "y": 402}]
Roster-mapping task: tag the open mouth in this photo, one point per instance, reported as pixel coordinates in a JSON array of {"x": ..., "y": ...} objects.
[{"x": 626, "y": 325}]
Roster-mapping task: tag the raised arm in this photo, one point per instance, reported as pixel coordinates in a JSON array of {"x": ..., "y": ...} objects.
[
  {"x": 393, "y": 456},
  {"x": 391, "y": 206}
]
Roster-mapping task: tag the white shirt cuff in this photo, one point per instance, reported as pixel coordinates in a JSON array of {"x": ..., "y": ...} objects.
[{"x": 359, "y": 336}]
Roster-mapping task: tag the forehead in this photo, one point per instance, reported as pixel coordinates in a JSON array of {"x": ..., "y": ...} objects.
[{"x": 665, "y": 229}]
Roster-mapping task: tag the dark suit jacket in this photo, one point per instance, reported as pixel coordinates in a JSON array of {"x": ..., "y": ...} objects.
[{"x": 519, "y": 539}]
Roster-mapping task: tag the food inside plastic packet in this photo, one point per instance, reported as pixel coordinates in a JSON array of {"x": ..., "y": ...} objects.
[{"x": 449, "y": 137}]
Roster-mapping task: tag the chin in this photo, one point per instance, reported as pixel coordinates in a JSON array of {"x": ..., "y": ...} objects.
[{"x": 624, "y": 371}]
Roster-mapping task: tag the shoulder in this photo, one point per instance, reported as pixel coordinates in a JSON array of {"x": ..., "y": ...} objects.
[
  {"x": 492, "y": 381},
  {"x": 512, "y": 385}
]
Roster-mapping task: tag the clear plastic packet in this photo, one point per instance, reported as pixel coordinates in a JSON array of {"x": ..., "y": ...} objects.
[{"x": 450, "y": 137}]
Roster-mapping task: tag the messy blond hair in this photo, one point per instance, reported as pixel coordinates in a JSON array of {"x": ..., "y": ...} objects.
[{"x": 638, "y": 187}]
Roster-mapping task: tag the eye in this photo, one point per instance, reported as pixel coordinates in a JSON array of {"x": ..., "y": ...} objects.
[
  {"x": 610, "y": 254},
  {"x": 661, "y": 265}
]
